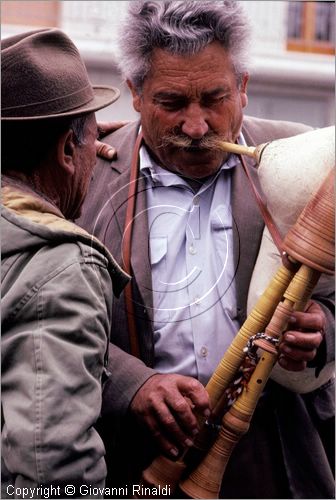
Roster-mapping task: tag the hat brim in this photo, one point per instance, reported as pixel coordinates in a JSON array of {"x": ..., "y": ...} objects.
[{"x": 103, "y": 96}]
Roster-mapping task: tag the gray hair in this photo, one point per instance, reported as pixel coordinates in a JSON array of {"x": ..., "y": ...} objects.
[
  {"x": 181, "y": 27},
  {"x": 77, "y": 125}
]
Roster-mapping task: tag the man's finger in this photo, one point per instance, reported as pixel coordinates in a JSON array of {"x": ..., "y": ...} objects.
[
  {"x": 299, "y": 346},
  {"x": 170, "y": 427},
  {"x": 105, "y": 151},
  {"x": 167, "y": 445},
  {"x": 302, "y": 340},
  {"x": 298, "y": 354},
  {"x": 196, "y": 392},
  {"x": 291, "y": 365},
  {"x": 182, "y": 410},
  {"x": 312, "y": 319}
]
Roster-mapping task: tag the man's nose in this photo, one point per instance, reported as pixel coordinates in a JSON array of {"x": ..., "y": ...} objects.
[{"x": 194, "y": 122}]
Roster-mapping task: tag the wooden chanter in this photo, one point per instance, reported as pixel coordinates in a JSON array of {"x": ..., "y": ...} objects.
[
  {"x": 310, "y": 242},
  {"x": 289, "y": 289}
]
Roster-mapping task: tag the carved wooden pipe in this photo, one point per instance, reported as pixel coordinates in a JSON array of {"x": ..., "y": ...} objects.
[
  {"x": 312, "y": 241},
  {"x": 253, "y": 152},
  {"x": 206, "y": 479},
  {"x": 162, "y": 470}
]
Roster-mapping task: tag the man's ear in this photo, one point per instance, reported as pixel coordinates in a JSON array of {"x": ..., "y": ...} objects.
[
  {"x": 243, "y": 90},
  {"x": 136, "y": 96},
  {"x": 66, "y": 150}
]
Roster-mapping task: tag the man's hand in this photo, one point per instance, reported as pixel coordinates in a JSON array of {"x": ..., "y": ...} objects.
[
  {"x": 302, "y": 338},
  {"x": 165, "y": 404},
  {"x": 104, "y": 150}
]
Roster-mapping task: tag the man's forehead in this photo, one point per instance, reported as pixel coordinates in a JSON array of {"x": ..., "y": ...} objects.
[
  {"x": 178, "y": 93},
  {"x": 210, "y": 68}
]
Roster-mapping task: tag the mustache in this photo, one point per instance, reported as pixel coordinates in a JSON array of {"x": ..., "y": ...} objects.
[{"x": 209, "y": 141}]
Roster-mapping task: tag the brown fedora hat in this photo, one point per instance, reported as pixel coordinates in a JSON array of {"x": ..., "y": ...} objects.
[{"x": 44, "y": 76}]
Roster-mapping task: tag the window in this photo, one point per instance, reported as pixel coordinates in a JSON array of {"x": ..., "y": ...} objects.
[{"x": 311, "y": 27}]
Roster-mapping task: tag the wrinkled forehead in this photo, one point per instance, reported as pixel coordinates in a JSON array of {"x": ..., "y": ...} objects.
[{"x": 210, "y": 68}]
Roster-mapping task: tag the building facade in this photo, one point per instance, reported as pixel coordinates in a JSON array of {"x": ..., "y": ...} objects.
[{"x": 292, "y": 71}]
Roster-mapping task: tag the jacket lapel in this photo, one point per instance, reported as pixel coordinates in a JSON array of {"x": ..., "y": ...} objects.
[
  {"x": 140, "y": 249},
  {"x": 118, "y": 190},
  {"x": 248, "y": 227}
]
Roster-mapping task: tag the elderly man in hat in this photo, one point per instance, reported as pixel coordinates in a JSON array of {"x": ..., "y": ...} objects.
[{"x": 57, "y": 280}]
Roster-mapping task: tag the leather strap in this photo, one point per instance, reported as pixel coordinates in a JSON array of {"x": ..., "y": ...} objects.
[
  {"x": 268, "y": 219},
  {"x": 126, "y": 248}
]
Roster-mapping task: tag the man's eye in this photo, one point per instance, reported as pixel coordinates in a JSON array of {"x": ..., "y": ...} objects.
[
  {"x": 171, "y": 105},
  {"x": 212, "y": 101}
]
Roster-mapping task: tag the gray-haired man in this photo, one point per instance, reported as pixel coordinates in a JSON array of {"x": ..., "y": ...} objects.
[{"x": 196, "y": 232}]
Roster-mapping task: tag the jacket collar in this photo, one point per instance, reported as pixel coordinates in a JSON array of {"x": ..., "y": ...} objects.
[
  {"x": 118, "y": 190},
  {"x": 247, "y": 228}
]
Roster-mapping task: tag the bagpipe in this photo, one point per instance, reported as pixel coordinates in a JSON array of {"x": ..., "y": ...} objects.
[{"x": 297, "y": 177}]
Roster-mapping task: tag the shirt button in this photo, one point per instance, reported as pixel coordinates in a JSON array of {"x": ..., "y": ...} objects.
[
  {"x": 197, "y": 301},
  {"x": 196, "y": 200},
  {"x": 204, "y": 352},
  {"x": 192, "y": 249}
]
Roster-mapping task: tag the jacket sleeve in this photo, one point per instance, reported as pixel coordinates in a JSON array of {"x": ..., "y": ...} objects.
[
  {"x": 324, "y": 295},
  {"x": 53, "y": 355},
  {"x": 126, "y": 374}
]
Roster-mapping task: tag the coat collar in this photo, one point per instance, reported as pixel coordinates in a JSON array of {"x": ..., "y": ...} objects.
[
  {"x": 248, "y": 226},
  {"x": 247, "y": 230}
]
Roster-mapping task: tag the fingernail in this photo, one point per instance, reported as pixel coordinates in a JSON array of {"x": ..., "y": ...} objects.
[
  {"x": 110, "y": 152},
  {"x": 195, "y": 432},
  {"x": 290, "y": 337},
  {"x": 188, "y": 442},
  {"x": 287, "y": 349},
  {"x": 174, "y": 452},
  {"x": 292, "y": 319},
  {"x": 207, "y": 413}
]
